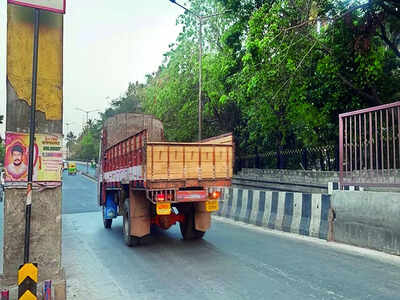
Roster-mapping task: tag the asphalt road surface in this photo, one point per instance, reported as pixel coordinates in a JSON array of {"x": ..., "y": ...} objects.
[
  {"x": 79, "y": 194},
  {"x": 231, "y": 262}
]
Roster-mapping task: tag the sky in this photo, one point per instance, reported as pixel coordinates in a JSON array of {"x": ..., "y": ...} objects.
[{"x": 106, "y": 46}]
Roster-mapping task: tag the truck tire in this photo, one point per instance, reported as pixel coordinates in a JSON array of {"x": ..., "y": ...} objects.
[
  {"x": 187, "y": 227},
  {"x": 106, "y": 222},
  {"x": 126, "y": 227}
]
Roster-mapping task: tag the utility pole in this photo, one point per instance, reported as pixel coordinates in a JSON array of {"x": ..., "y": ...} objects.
[
  {"x": 28, "y": 21},
  {"x": 32, "y": 128},
  {"x": 200, "y": 74},
  {"x": 201, "y": 21}
]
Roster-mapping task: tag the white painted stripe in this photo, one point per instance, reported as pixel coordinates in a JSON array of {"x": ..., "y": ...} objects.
[
  {"x": 234, "y": 203},
  {"x": 330, "y": 188},
  {"x": 224, "y": 211},
  {"x": 267, "y": 208},
  {"x": 281, "y": 211},
  {"x": 127, "y": 174},
  {"x": 315, "y": 215},
  {"x": 245, "y": 197},
  {"x": 254, "y": 208},
  {"x": 297, "y": 207}
]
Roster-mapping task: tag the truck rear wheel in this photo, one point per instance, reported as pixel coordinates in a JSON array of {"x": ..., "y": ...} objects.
[
  {"x": 107, "y": 222},
  {"x": 126, "y": 227},
  {"x": 188, "y": 229}
]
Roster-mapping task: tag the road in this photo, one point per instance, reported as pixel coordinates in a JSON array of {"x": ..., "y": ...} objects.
[
  {"x": 79, "y": 194},
  {"x": 232, "y": 262}
]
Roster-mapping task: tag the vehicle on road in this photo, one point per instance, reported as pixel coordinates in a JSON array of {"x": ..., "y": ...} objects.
[
  {"x": 148, "y": 181},
  {"x": 71, "y": 168}
]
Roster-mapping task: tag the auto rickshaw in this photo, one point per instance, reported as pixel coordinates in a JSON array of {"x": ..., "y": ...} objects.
[{"x": 71, "y": 168}]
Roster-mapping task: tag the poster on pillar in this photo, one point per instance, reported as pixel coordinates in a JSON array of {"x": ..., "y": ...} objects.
[
  {"x": 49, "y": 93},
  {"x": 47, "y": 163}
]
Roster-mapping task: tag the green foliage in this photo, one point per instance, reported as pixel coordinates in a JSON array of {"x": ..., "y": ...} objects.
[
  {"x": 276, "y": 73},
  {"x": 86, "y": 146},
  {"x": 128, "y": 102}
]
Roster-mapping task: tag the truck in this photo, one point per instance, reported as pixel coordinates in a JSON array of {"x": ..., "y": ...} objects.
[{"x": 151, "y": 182}]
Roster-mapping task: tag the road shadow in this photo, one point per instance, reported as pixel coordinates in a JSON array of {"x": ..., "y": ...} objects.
[{"x": 170, "y": 239}]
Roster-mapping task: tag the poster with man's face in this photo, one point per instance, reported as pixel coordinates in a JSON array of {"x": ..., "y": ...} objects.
[{"x": 47, "y": 157}]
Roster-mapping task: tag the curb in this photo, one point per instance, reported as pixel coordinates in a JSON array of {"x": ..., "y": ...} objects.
[{"x": 89, "y": 176}]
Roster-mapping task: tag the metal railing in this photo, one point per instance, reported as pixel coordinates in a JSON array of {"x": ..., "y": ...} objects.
[
  {"x": 320, "y": 158},
  {"x": 369, "y": 146}
]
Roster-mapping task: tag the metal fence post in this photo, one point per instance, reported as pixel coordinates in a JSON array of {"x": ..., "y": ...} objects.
[
  {"x": 304, "y": 158},
  {"x": 336, "y": 158},
  {"x": 341, "y": 150},
  {"x": 278, "y": 159}
]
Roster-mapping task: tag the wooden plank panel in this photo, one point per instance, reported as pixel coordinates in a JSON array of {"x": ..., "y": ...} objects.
[
  {"x": 222, "y": 139},
  {"x": 216, "y": 162}
]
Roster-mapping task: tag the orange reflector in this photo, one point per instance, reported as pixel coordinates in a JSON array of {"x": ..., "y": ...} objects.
[
  {"x": 163, "y": 208},
  {"x": 216, "y": 195}
]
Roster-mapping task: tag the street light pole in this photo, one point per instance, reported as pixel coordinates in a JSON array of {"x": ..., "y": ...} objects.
[
  {"x": 200, "y": 74},
  {"x": 87, "y": 113},
  {"x": 67, "y": 124},
  {"x": 201, "y": 20}
]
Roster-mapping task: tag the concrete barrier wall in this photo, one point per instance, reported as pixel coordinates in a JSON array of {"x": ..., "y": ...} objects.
[
  {"x": 305, "y": 214},
  {"x": 368, "y": 219},
  {"x": 320, "y": 177}
]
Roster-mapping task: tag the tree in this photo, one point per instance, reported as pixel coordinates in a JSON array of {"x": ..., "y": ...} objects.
[
  {"x": 128, "y": 102},
  {"x": 382, "y": 19},
  {"x": 275, "y": 72},
  {"x": 71, "y": 140},
  {"x": 88, "y": 148}
]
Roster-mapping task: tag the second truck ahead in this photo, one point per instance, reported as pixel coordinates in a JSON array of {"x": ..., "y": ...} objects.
[{"x": 148, "y": 181}]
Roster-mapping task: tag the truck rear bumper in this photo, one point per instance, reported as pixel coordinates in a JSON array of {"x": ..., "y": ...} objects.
[{"x": 184, "y": 196}]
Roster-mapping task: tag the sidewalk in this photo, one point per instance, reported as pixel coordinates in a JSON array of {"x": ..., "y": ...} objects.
[{"x": 86, "y": 170}]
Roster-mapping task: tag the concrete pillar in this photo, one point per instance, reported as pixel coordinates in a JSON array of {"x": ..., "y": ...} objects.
[{"x": 46, "y": 203}]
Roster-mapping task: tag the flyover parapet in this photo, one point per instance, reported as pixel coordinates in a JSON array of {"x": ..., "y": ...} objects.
[
  {"x": 368, "y": 219},
  {"x": 300, "y": 213}
]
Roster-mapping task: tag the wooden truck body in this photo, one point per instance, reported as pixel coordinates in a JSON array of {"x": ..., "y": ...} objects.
[{"x": 150, "y": 181}]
